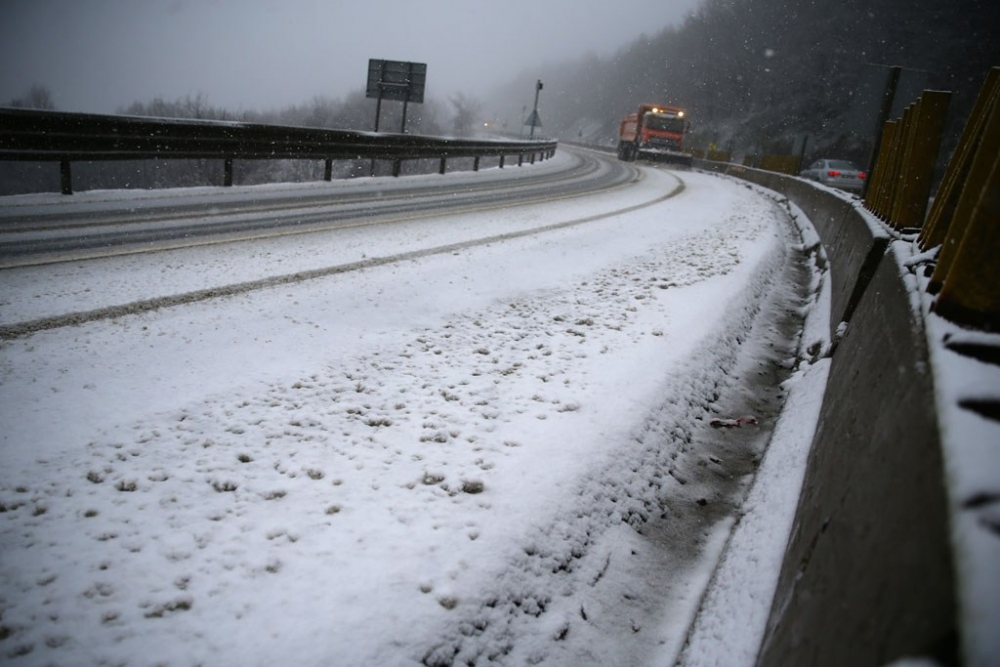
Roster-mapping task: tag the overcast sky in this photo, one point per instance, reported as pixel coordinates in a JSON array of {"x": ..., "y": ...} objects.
[{"x": 258, "y": 55}]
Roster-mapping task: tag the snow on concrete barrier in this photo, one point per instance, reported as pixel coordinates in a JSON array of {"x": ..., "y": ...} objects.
[{"x": 868, "y": 574}]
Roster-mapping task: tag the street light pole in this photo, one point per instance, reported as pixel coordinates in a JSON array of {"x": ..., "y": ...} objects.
[{"x": 534, "y": 113}]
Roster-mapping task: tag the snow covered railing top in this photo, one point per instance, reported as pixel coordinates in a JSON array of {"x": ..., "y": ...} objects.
[{"x": 33, "y": 135}]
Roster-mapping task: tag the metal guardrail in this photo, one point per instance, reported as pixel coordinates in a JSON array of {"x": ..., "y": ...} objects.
[{"x": 48, "y": 136}]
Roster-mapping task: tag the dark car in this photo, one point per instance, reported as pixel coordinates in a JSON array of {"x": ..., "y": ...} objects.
[{"x": 836, "y": 173}]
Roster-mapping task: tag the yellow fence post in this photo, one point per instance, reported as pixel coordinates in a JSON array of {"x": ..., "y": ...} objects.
[
  {"x": 903, "y": 137},
  {"x": 964, "y": 219},
  {"x": 879, "y": 174},
  {"x": 927, "y": 119},
  {"x": 883, "y": 205},
  {"x": 970, "y": 294},
  {"x": 979, "y": 171},
  {"x": 945, "y": 203},
  {"x": 783, "y": 164}
]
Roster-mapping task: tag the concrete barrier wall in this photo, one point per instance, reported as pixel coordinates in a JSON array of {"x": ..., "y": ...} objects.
[{"x": 867, "y": 576}]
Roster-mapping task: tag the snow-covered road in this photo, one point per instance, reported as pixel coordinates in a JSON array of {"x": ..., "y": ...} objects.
[{"x": 501, "y": 450}]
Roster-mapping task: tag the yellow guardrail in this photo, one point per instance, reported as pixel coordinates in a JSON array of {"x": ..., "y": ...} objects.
[
  {"x": 782, "y": 164},
  {"x": 964, "y": 219},
  {"x": 901, "y": 181}
]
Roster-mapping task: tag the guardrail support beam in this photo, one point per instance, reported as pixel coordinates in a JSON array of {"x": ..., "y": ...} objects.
[
  {"x": 227, "y": 179},
  {"x": 65, "y": 177},
  {"x": 328, "y": 170}
]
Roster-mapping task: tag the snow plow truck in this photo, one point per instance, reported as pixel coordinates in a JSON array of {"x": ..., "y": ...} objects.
[{"x": 654, "y": 133}]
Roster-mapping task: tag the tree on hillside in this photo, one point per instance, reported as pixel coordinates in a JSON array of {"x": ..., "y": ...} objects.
[
  {"x": 37, "y": 97},
  {"x": 755, "y": 73},
  {"x": 196, "y": 107},
  {"x": 468, "y": 111}
]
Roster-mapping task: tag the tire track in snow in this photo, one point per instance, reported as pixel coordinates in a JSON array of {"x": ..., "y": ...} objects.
[
  {"x": 22, "y": 329},
  {"x": 619, "y": 568}
]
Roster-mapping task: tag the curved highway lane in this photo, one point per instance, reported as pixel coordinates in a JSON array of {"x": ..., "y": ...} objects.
[{"x": 70, "y": 230}]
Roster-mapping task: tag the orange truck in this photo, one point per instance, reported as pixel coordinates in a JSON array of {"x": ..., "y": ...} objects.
[{"x": 655, "y": 132}]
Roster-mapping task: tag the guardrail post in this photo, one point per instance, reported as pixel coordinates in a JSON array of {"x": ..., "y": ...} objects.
[
  {"x": 397, "y": 167},
  {"x": 475, "y": 163},
  {"x": 975, "y": 190},
  {"x": 520, "y": 159},
  {"x": 921, "y": 152},
  {"x": 970, "y": 290},
  {"x": 532, "y": 157},
  {"x": 877, "y": 177},
  {"x": 65, "y": 177},
  {"x": 328, "y": 170},
  {"x": 441, "y": 167},
  {"x": 227, "y": 179},
  {"x": 883, "y": 116},
  {"x": 893, "y": 163},
  {"x": 951, "y": 191},
  {"x": 501, "y": 161}
]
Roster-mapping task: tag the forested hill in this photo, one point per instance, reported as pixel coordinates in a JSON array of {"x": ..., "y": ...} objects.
[{"x": 756, "y": 74}]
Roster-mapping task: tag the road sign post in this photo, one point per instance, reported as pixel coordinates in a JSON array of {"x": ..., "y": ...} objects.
[
  {"x": 395, "y": 80},
  {"x": 534, "y": 119}
]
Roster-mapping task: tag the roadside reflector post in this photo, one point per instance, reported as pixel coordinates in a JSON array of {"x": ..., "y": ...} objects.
[
  {"x": 970, "y": 292},
  {"x": 950, "y": 193},
  {"x": 65, "y": 177},
  {"x": 918, "y": 159}
]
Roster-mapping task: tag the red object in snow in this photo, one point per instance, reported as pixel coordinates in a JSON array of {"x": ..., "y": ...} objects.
[{"x": 733, "y": 423}]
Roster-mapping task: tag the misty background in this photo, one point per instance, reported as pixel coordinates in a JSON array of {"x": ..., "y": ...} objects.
[{"x": 756, "y": 76}]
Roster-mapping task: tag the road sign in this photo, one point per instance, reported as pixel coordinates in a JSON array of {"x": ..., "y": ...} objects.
[{"x": 396, "y": 80}]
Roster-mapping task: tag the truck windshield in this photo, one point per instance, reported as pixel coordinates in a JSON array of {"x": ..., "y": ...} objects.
[{"x": 655, "y": 122}]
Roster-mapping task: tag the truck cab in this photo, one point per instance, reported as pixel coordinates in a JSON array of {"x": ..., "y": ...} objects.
[{"x": 655, "y": 132}]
